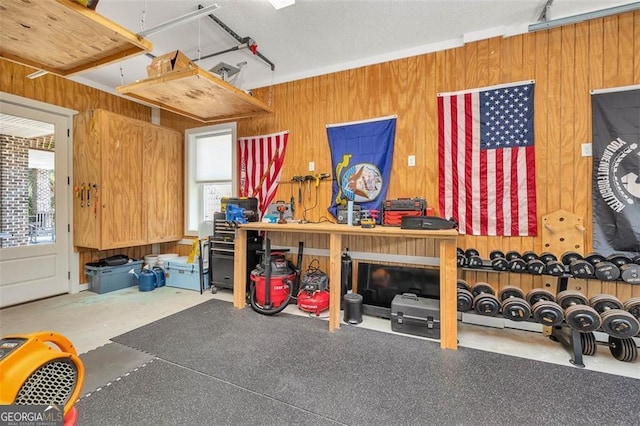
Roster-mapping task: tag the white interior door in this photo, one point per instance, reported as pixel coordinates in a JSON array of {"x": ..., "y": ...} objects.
[{"x": 34, "y": 211}]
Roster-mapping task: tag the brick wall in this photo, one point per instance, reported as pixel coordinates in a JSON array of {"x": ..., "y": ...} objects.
[
  {"x": 14, "y": 193},
  {"x": 15, "y": 176}
]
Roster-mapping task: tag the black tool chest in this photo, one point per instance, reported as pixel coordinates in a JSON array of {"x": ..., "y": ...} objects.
[{"x": 222, "y": 252}]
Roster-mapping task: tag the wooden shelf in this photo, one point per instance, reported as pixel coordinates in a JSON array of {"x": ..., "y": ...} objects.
[
  {"x": 62, "y": 37},
  {"x": 197, "y": 94}
]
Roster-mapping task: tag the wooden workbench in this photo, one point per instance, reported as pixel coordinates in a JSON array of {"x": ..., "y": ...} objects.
[{"x": 446, "y": 240}]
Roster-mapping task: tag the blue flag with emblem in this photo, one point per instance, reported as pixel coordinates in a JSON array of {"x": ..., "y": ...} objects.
[{"x": 361, "y": 157}]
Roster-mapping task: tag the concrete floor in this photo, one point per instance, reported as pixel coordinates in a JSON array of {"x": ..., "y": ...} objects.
[{"x": 90, "y": 320}]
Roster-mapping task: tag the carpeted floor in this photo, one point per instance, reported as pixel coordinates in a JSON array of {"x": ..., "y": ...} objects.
[{"x": 218, "y": 365}]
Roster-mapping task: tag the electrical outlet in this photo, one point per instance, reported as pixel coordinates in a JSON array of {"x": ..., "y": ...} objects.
[
  {"x": 312, "y": 166},
  {"x": 586, "y": 150},
  {"x": 411, "y": 160}
]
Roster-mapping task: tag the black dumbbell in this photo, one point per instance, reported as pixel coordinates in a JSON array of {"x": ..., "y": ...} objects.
[
  {"x": 461, "y": 259},
  {"x": 577, "y": 312},
  {"x": 473, "y": 258},
  {"x": 464, "y": 296},
  {"x": 630, "y": 273},
  {"x": 594, "y": 258},
  {"x": 537, "y": 294},
  {"x": 552, "y": 265},
  {"x": 569, "y": 256},
  {"x": 516, "y": 262},
  {"x": 534, "y": 264},
  {"x": 485, "y": 302},
  {"x": 546, "y": 257},
  {"x": 513, "y": 304},
  {"x": 633, "y": 307},
  {"x": 606, "y": 271},
  {"x": 577, "y": 265},
  {"x": 636, "y": 260},
  {"x": 580, "y": 268},
  {"x": 498, "y": 261},
  {"x": 616, "y": 321},
  {"x": 544, "y": 307},
  {"x": 629, "y": 269},
  {"x": 619, "y": 259},
  {"x": 623, "y": 349}
]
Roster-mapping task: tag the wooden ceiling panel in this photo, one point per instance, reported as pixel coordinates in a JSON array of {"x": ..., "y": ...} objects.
[
  {"x": 62, "y": 37},
  {"x": 197, "y": 94}
]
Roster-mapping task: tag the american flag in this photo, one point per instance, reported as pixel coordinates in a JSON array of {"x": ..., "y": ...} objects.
[
  {"x": 486, "y": 160},
  {"x": 261, "y": 159}
]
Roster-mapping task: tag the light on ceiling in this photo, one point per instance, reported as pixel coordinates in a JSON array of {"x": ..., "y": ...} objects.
[
  {"x": 180, "y": 20},
  {"x": 279, "y": 4},
  {"x": 545, "y": 25},
  {"x": 37, "y": 74}
]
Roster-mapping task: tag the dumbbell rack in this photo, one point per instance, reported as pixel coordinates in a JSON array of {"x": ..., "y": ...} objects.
[
  {"x": 571, "y": 340},
  {"x": 569, "y": 337}
]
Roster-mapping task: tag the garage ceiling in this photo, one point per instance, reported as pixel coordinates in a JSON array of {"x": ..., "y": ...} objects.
[{"x": 314, "y": 37}]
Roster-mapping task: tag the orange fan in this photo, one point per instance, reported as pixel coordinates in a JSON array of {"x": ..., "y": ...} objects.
[{"x": 40, "y": 368}]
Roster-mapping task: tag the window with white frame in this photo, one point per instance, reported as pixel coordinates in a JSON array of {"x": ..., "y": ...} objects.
[{"x": 210, "y": 165}]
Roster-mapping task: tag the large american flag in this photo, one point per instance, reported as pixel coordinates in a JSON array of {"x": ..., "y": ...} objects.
[
  {"x": 487, "y": 161},
  {"x": 260, "y": 159}
]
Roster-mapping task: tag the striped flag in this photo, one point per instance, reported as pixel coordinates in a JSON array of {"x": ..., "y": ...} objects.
[
  {"x": 486, "y": 160},
  {"x": 260, "y": 159}
]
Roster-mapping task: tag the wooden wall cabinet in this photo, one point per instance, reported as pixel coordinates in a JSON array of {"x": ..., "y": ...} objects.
[{"x": 127, "y": 182}]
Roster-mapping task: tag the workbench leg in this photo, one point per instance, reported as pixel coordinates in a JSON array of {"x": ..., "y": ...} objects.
[
  {"x": 448, "y": 298},
  {"x": 240, "y": 269},
  {"x": 335, "y": 247}
]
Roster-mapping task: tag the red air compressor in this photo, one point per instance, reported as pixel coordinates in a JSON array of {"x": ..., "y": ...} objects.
[
  {"x": 314, "y": 295},
  {"x": 280, "y": 273}
]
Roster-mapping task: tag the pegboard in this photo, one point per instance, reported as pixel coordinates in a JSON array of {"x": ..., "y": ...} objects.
[{"x": 562, "y": 231}]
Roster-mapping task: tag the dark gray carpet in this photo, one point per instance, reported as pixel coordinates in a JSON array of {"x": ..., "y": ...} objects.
[
  {"x": 162, "y": 393},
  {"x": 109, "y": 362},
  {"x": 358, "y": 376}
]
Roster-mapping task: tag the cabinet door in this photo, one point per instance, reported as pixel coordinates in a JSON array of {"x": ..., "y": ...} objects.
[
  {"x": 87, "y": 140},
  {"x": 163, "y": 184},
  {"x": 123, "y": 219}
]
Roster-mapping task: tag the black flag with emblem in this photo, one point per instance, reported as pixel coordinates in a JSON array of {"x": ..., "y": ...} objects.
[{"x": 616, "y": 171}]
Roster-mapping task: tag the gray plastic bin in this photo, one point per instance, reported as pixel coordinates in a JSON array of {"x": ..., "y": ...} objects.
[{"x": 103, "y": 279}]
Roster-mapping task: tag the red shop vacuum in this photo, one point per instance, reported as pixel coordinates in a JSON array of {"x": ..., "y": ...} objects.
[
  {"x": 314, "y": 292},
  {"x": 281, "y": 276}
]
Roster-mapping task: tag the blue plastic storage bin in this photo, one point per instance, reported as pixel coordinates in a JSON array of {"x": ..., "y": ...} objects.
[{"x": 103, "y": 279}]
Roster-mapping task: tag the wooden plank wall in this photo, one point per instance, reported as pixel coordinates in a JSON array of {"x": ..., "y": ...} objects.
[
  {"x": 566, "y": 63},
  {"x": 69, "y": 94}
]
